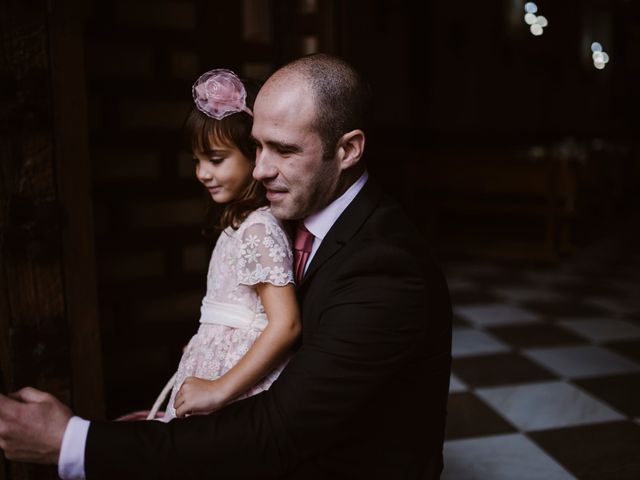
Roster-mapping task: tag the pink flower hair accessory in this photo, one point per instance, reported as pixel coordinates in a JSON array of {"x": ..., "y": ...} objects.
[{"x": 219, "y": 93}]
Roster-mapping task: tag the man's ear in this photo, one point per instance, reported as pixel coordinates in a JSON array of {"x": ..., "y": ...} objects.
[{"x": 350, "y": 148}]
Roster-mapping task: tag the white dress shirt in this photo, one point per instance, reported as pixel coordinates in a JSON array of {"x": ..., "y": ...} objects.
[
  {"x": 321, "y": 222},
  {"x": 71, "y": 461}
]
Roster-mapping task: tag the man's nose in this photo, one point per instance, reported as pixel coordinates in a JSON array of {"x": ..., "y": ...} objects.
[{"x": 265, "y": 167}]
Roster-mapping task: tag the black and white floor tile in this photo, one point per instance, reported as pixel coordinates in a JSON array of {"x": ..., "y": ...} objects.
[{"x": 546, "y": 367}]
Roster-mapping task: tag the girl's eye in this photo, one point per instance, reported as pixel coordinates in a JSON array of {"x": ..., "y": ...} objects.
[{"x": 216, "y": 160}]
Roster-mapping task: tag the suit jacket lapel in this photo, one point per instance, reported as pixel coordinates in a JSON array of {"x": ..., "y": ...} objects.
[{"x": 345, "y": 227}]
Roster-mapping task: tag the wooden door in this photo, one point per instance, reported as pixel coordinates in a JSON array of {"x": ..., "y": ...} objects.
[{"x": 49, "y": 335}]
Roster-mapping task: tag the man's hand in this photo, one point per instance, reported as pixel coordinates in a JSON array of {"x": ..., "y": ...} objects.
[
  {"x": 199, "y": 396},
  {"x": 32, "y": 424}
]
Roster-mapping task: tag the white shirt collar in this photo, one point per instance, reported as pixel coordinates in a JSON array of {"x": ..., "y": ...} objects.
[{"x": 321, "y": 222}]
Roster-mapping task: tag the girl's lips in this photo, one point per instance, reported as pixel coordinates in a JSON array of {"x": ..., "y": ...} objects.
[{"x": 214, "y": 189}]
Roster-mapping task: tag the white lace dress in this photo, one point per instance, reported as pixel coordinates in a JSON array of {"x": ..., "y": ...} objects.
[{"x": 232, "y": 316}]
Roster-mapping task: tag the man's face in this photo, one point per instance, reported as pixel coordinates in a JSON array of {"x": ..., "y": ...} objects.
[{"x": 289, "y": 156}]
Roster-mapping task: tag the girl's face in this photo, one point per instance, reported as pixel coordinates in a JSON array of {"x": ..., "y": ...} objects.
[{"x": 223, "y": 170}]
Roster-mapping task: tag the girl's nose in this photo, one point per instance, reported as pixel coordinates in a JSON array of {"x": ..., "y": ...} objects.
[{"x": 203, "y": 173}]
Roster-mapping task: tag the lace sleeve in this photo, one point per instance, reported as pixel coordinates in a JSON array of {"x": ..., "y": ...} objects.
[{"x": 264, "y": 255}]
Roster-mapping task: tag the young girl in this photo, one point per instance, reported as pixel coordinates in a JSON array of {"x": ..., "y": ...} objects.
[{"x": 249, "y": 315}]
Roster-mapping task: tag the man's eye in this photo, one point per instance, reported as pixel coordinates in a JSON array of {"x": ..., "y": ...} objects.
[{"x": 256, "y": 146}]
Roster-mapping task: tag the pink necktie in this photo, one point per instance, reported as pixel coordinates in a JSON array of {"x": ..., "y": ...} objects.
[{"x": 301, "y": 250}]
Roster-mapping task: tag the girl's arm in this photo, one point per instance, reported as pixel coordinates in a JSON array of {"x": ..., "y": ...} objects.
[{"x": 270, "y": 348}]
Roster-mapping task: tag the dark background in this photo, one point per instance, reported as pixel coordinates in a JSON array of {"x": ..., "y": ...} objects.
[{"x": 500, "y": 144}]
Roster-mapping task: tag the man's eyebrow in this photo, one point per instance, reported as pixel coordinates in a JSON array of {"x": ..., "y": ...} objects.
[
  {"x": 277, "y": 145},
  {"x": 289, "y": 147}
]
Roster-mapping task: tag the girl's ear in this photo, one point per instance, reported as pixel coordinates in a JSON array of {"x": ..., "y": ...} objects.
[{"x": 350, "y": 148}]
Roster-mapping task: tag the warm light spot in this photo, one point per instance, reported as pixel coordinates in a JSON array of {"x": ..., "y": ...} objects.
[{"x": 530, "y": 18}]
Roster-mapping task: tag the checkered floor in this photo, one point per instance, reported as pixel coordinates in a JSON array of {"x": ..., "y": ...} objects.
[{"x": 546, "y": 367}]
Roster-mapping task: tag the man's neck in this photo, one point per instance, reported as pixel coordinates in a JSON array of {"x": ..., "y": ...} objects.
[
  {"x": 320, "y": 222},
  {"x": 347, "y": 179}
]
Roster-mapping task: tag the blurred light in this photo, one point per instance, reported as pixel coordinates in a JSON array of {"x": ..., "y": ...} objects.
[
  {"x": 309, "y": 44},
  {"x": 536, "y": 23},
  {"x": 536, "y": 29},
  {"x": 600, "y": 57}
]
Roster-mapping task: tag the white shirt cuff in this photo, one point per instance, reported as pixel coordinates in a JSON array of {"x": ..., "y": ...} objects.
[{"x": 71, "y": 461}]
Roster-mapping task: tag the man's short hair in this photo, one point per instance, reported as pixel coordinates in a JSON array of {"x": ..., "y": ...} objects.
[{"x": 342, "y": 96}]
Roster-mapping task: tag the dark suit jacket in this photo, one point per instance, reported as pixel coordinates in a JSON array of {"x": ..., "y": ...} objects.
[{"x": 363, "y": 397}]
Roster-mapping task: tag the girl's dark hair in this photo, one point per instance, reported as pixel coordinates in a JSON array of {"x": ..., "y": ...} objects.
[{"x": 234, "y": 130}]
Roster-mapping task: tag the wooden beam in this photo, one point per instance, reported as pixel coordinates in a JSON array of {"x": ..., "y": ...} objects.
[
  {"x": 6, "y": 368},
  {"x": 74, "y": 188}
]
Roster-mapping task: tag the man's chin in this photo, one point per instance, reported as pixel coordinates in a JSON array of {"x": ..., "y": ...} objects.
[
  {"x": 280, "y": 212},
  {"x": 284, "y": 211}
]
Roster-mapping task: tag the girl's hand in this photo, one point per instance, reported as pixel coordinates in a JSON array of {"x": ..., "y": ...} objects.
[{"x": 199, "y": 396}]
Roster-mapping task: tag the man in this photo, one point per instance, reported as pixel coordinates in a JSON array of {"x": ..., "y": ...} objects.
[{"x": 365, "y": 394}]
